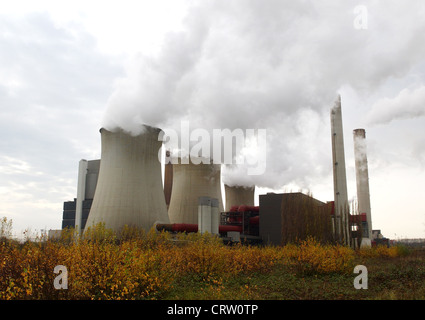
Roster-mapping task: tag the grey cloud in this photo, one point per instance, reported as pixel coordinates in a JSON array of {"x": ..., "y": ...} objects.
[
  {"x": 254, "y": 64},
  {"x": 53, "y": 88}
]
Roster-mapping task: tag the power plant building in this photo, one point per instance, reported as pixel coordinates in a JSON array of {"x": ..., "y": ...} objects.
[
  {"x": 75, "y": 213},
  {"x": 288, "y": 217},
  {"x": 125, "y": 188}
]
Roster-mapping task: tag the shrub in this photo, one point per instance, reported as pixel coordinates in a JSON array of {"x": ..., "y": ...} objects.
[{"x": 311, "y": 257}]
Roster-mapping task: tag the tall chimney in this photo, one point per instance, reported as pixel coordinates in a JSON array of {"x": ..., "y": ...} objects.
[
  {"x": 238, "y": 195},
  {"x": 339, "y": 175},
  {"x": 190, "y": 182},
  {"x": 362, "y": 179},
  {"x": 129, "y": 189}
]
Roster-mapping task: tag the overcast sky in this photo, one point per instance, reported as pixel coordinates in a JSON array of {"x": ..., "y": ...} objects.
[{"x": 69, "y": 67}]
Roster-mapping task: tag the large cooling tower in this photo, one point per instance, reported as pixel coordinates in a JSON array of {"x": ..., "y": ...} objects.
[
  {"x": 190, "y": 182},
  {"x": 129, "y": 188},
  {"x": 362, "y": 179},
  {"x": 238, "y": 195},
  {"x": 339, "y": 174}
]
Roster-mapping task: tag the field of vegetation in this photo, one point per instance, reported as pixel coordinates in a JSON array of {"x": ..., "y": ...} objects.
[{"x": 194, "y": 266}]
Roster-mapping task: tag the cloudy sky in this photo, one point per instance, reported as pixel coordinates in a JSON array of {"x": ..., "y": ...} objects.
[{"x": 69, "y": 67}]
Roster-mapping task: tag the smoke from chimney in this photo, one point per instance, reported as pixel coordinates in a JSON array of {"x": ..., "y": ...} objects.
[{"x": 229, "y": 67}]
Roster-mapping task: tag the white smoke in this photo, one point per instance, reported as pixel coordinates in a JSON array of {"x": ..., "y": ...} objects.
[
  {"x": 360, "y": 153},
  {"x": 409, "y": 103},
  {"x": 275, "y": 65}
]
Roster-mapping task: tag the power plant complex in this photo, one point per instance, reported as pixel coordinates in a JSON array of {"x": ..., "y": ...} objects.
[{"x": 126, "y": 188}]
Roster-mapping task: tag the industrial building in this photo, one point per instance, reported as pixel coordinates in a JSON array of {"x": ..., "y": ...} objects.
[
  {"x": 126, "y": 188},
  {"x": 87, "y": 182},
  {"x": 288, "y": 217}
]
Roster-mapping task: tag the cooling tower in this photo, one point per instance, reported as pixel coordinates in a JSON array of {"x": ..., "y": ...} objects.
[
  {"x": 238, "y": 195},
  {"x": 129, "y": 188},
  {"x": 362, "y": 179},
  {"x": 340, "y": 180},
  {"x": 190, "y": 182}
]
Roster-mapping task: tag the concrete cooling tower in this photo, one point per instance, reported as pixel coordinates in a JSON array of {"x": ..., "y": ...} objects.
[
  {"x": 129, "y": 188},
  {"x": 190, "y": 182},
  {"x": 238, "y": 195}
]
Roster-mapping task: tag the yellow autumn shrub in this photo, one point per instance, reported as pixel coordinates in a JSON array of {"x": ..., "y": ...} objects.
[
  {"x": 311, "y": 257},
  {"x": 143, "y": 265}
]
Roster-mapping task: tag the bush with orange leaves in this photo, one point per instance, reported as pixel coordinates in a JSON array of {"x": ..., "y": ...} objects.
[
  {"x": 311, "y": 257},
  {"x": 382, "y": 252},
  {"x": 138, "y": 265}
]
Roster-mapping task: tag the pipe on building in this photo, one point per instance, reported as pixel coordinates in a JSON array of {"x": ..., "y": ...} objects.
[{"x": 193, "y": 227}]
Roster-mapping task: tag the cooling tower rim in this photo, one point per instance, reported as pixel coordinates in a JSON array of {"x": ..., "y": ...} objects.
[
  {"x": 241, "y": 186},
  {"x": 144, "y": 128},
  {"x": 359, "y": 133},
  {"x": 178, "y": 160}
]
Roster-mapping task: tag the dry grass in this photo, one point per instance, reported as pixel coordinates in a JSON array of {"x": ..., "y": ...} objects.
[{"x": 194, "y": 266}]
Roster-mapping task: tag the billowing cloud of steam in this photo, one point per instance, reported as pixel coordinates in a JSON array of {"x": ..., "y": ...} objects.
[
  {"x": 407, "y": 104},
  {"x": 360, "y": 153},
  {"x": 275, "y": 65}
]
